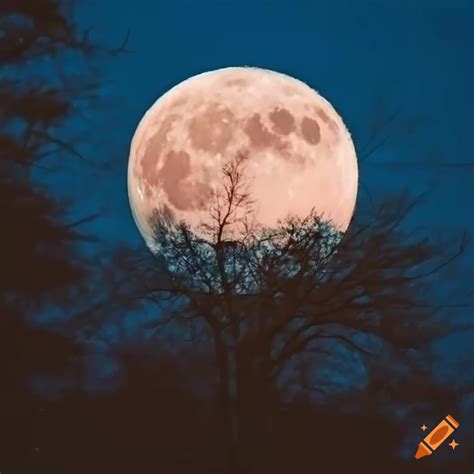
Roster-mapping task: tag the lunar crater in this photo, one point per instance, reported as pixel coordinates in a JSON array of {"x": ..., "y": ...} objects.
[
  {"x": 310, "y": 130},
  {"x": 328, "y": 120},
  {"x": 181, "y": 190},
  {"x": 283, "y": 121},
  {"x": 154, "y": 150},
  {"x": 259, "y": 135}
]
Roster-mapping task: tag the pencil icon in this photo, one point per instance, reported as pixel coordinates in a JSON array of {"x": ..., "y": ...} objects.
[{"x": 437, "y": 436}]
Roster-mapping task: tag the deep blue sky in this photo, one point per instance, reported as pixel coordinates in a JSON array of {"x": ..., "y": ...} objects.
[
  {"x": 406, "y": 55},
  {"x": 412, "y": 56}
]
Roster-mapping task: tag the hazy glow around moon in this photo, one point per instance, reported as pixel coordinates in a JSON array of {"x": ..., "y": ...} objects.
[{"x": 300, "y": 154}]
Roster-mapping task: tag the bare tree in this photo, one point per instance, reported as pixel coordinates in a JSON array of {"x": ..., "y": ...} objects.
[{"x": 268, "y": 295}]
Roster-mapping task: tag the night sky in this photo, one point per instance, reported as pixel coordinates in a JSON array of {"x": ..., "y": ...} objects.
[
  {"x": 406, "y": 62},
  {"x": 371, "y": 59},
  {"x": 413, "y": 58}
]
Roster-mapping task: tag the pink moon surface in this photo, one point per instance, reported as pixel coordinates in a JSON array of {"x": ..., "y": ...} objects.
[{"x": 300, "y": 156}]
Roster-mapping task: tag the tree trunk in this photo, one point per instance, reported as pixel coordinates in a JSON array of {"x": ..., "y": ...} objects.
[
  {"x": 254, "y": 402},
  {"x": 225, "y": 418}
]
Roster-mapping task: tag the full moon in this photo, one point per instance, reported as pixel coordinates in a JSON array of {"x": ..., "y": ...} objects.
[{"x": 299, "y": 155}]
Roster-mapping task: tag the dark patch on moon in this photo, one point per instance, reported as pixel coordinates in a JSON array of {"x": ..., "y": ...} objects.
[
  {"x": 259, "y": 135},
  {"x": 153, "y": 151},
  {"x": 328, "y": 120},
  {"x": 212, "y": 130},
  {"x": 283, "y": 121},
  {"x": 182, "y": 193},
  {"x": 310, "y": 130},
  {"x": 175, "y": 169},
  {"x": 236, "y": 82}
]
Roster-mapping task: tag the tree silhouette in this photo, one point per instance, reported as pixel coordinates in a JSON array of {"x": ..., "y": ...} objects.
[
  {"x": 37, "y": 252},
  {"x": 268, "y": 295},
  {"x": 39, "y": 265}
]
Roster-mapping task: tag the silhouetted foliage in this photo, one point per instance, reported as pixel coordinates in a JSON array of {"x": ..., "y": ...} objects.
[
  {"x": 39, "y": 267},
  {"x": 266, "y": 296},
  {"x": 36, "y": 255}
]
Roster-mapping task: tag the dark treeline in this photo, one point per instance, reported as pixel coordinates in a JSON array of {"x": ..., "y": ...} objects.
[{"x": 241, "y": 369}]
